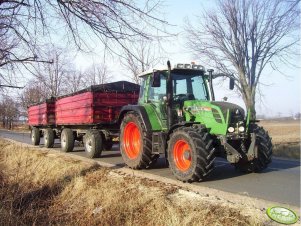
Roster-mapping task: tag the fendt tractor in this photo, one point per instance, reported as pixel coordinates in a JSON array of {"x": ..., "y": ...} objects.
[{"x": 177, "y": 117}]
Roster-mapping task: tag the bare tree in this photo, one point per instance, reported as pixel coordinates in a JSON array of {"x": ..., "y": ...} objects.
[
  {"x": 33, "y": 93},
  {"x": 21, "y": 24},
  {"x": 97, "y": 74},
  {"x": 9, "y": 111},
  {"x": 144, "y": 55},
  {"x": 74, "y": 81},
  {"x": 53, "y": 76},
  {"x": 25, "y": 26},
  {"x": 242, "y": 37}
]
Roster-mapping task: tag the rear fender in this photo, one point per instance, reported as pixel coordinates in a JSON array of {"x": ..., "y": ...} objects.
[{"x": 139, "y": 110}]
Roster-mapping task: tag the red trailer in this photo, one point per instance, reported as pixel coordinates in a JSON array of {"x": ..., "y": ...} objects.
[
  {"x": 89, "y": 116},
  {"x": 42, "y": 114}
]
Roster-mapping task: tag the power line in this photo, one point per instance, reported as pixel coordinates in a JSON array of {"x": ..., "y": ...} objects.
[{"x": 14, "y": 87}]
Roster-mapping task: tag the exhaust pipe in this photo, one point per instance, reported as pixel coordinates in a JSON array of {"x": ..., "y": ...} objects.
[
  {"x": 169, "y": 92},
  {"x": 211, "y": 84}
]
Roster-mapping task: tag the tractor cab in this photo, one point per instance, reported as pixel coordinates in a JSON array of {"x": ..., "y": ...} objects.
[
  {"x": 190, "y": 97},
  {"x": 188, "y": 83}
]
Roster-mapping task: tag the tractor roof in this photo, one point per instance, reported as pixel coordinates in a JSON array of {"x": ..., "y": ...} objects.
[{"x": 190, "y": 67}]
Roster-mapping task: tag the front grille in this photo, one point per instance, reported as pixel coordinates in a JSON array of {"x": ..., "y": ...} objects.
[
  {"x": 216, "y": 116},
  {"x": 236, "y": 116}
]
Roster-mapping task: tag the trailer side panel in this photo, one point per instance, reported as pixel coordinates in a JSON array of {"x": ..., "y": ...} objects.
[
  {"x": 107, "y": 106},
  {"x": 42, "y": 114},
  {"x": 77, "y": 109}
]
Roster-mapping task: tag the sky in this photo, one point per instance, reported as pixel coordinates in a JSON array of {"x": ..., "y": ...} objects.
[{"x": 280, "y": 96}]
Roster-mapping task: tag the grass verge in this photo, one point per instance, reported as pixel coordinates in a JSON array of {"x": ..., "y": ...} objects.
[
  {"x": 285, "y": 137},
  {"x": 38, "y": 187},
  {"x": 287, "y": 150}
]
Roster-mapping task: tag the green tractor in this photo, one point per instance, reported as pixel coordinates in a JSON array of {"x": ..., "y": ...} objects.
[{"x": 177, "y": 116}]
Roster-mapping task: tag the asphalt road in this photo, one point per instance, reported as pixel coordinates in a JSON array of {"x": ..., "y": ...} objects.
[{"x": 280, "y": 182}]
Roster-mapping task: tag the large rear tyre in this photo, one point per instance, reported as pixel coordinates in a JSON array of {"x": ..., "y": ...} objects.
[
  {"x": 67, "y": 140},
  {"x": 35, "y": 136},
  {"x": 264, "y": 148},
  {"x": 48, "y": 138},
  {"x": 190, "y": 154},
  {"x": 93, "y": 144},
  {"x": 135, "y": 142}
]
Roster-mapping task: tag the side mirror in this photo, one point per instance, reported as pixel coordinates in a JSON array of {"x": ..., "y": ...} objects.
[
  {"x": 156, "y": 79},
  {"x": 231, "y": 84}
]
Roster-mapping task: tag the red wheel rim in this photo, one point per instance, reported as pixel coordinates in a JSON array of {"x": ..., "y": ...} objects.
[
  {"x": 182, "y": 155},
  {"x": 131, "y": 140}
]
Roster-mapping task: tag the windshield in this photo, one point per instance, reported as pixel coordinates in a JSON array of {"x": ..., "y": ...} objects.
[
  {"x": 192, "y": 86},
  {"x": 187, "y": 86}
]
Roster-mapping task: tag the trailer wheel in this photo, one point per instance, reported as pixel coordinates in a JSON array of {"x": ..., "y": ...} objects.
[
  {"x": 190, "y": 154},
  {"x": 67, "y": 140},
  {"x": 93, "y": 144},
  {"x": 35, "y": 136},
  {"x": 264, "y": 148},
  {"x": 135, "y": 142},
  {"x": 49, "y": 138}
]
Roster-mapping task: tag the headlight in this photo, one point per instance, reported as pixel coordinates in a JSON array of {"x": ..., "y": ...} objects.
[
  {"x": 241, "y": 129},
  {"x": 230, "y": 129}
]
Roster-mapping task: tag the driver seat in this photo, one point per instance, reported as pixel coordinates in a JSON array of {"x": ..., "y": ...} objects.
[{"x": 190, "y": 96}]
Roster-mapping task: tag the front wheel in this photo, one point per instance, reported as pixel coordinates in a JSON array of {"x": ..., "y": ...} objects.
[
  {"x": 135, "y": 142},
  {"x": 264, "y": 149},
  {"x": 190, "y": 154}
]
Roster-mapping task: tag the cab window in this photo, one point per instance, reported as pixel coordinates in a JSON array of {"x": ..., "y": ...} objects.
[{"x": 157, "y": 93}]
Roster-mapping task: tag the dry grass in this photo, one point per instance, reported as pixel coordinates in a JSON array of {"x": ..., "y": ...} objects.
[
  {"x": 37, "y": 187},
  {"x": 19, "y": 128},
  {"x": 285, "y": 136}
]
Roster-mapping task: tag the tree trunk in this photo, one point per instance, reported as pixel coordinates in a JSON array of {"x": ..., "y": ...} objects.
[
  {"x": 250, "y": 105},
  {"x": 248, "y": 93},
  {"x": 249, "y": 100},
  {"x": 11, "y": 124}
]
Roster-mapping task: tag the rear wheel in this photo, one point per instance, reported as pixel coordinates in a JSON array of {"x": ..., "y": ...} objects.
[
  {"x": 135, "y": 142},
  {"x": 190, "y": 154},
  {"x": 93, "y": 144},
  {"x": 264, "y": 149},
  {"x": 67, "y": 140},
  {"x": 35, "y": 136},
  {"x": 48, "y": 138}
]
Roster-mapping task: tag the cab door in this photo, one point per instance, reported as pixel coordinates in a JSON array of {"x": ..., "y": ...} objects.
[{"x": 157, "y": 98}]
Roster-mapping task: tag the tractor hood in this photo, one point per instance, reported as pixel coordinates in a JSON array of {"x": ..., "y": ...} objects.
[
  {"x": 216, "y": 115},
  {"x": 234, "y": 109}
]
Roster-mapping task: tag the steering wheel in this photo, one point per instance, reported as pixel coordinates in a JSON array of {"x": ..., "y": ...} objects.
[{"x": 179, "y": 97}]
